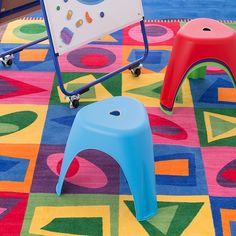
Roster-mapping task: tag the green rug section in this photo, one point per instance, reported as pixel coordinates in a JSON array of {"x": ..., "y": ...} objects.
[
  {"x": 154, "y": 91},
  {"x": 179, "y": 97},
  {"x": 110, "y": 202},
  {"x": 172, "y": 217},
  {"x": 33, "y": 29},
  {"x": 220, "y": 126},
  {"x": 88, "y": 95},
  {"x": 6, "y": 128},
  {"x": 163, "y": 219},
  {"x": 30, "y": 31},
  {"x": 217, "y": 126},
  {"x": 17, "y": 121},
  {"x": 231, "y": 25},
  {"x": 76, "y": 226},
  {"x": 113, "y": 85}
]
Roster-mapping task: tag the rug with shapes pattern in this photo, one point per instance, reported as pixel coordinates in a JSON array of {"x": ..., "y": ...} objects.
[{"x": 194, "y": 149}]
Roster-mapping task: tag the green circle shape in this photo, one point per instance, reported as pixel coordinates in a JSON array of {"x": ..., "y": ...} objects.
[
  {"x": 33, "y": 29},
  {"x": 30, "y": 31},
  {"x": 8, "y": 128}
]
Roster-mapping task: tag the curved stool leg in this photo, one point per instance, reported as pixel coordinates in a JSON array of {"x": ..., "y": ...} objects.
[
  {"x": 74, "y": 145},
  {"x": 138, "y": 167},
  {"x": 174, "y": 77},
  {"x": 232, "y": 68},
  {"x": 67, "y": 160},
  {"x": 141, "y": 180},
  {"x": 171, "y": 86}
]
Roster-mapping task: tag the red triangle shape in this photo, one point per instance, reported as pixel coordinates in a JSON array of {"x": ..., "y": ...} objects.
[{"x": 21, "y": 88}]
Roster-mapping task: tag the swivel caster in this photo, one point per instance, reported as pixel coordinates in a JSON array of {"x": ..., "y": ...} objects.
[
  {"x": 74, "y": 101},
  {"x": 7, "y": 60},
  {"x": 136, "y": 70}
]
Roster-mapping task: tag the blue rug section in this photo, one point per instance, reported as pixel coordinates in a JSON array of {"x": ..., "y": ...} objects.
[
  {"x": 218, "y": 203},
  {"x": 13, "y": 169},
  {"x": 194, "y": 183},
  {"x": 233, "y": 228},
  {"x": 58, "y": 124},
  {"x": 156, "y": 60},
  {"x": 188, "y": 9},
  {"x": 205, "y": 92},
  {"x": 46, "y": 65}
]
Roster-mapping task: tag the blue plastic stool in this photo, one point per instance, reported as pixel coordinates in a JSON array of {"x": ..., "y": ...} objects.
[{"x": 118, "y": 126}]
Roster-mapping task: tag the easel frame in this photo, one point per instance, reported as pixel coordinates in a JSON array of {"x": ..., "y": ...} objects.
[{"x": 74, "y": 96}]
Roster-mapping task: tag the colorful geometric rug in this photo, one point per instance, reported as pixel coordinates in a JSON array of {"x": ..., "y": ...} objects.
[{"x": 195, "y": 148}]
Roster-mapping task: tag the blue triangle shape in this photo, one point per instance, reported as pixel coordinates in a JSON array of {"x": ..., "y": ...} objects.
[
  {"x": 65, "y": 120},
  {"x": 211, "y": 94},
  {"x": 13, "y": 169},
  {"x": 156, "y": 61}
]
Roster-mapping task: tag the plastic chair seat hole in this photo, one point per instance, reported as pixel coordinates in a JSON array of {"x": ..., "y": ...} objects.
[
  {"x": 115, "y": 113},
  {"x": 206, "y": 29}
]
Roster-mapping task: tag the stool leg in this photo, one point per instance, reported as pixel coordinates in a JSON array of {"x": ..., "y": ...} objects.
[
  {"x": 199, "y": 73},
  {"x": 67, "y": 160},
  {"x": 75, "y": 144},
  {"x": 176, "y": 72},
  {"x": 172, "y": 83},
  {"x": 232, "y": 67},
  {"x": 137, "y": 163}
]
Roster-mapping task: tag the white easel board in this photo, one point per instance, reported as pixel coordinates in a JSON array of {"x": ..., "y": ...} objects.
[{"x": 74, "y": 23}]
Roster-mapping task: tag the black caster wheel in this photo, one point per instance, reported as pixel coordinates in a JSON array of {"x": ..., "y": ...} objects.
[
  {"x": 136, "y": 70},
  {"x": 7, "y": 61},
  {"x": 74, "y": 101}
]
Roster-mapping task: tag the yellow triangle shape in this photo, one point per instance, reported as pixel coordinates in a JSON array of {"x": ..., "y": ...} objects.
[
  {"x": 210, "y": 136},
  {"x": 107, "y": 38},
  {"x": 100, "y": 91},
  {"x": 128, "y": 224},
  {"x": 129, "y": 83}
]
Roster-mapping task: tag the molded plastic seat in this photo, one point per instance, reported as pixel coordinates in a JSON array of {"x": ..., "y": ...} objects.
[
  {"x": 198, "y": 43},
  {"x": 120, "y": 127}
]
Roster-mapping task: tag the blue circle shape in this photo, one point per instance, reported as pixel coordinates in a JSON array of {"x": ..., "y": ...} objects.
[{"x": 90, "y": 2}]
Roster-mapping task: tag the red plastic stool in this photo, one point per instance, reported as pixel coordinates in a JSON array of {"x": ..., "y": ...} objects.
[{"x": 198, "y": 43}]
